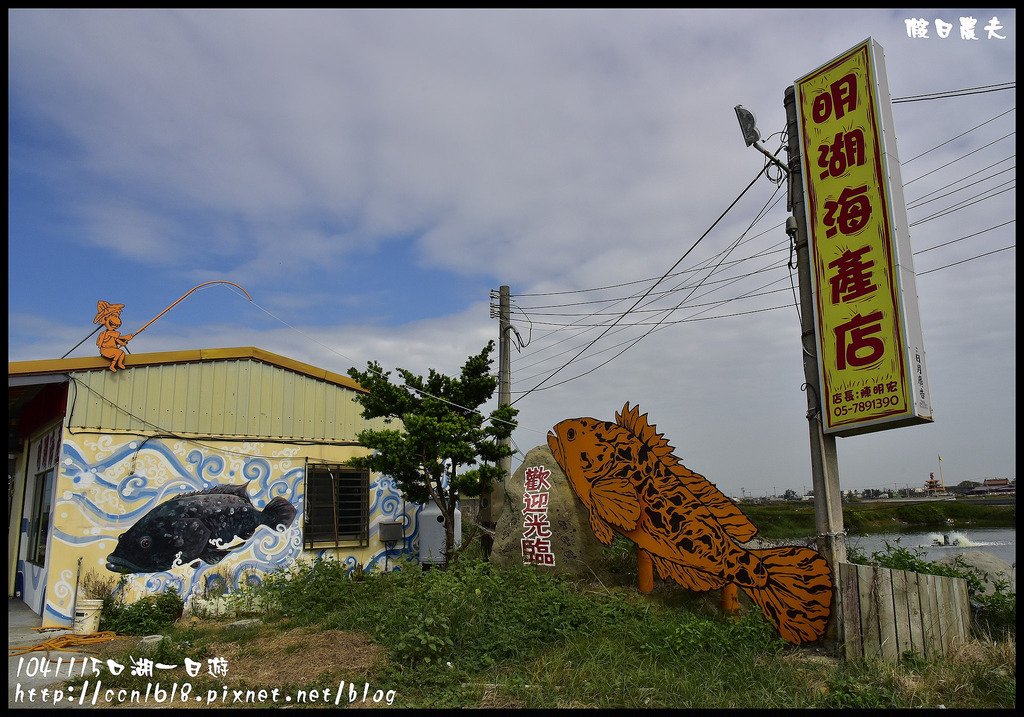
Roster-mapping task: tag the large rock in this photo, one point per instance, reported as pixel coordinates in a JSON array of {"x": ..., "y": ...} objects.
[
  {"x": 576, "y": 551},
  {"x": 989, "y": 565}
]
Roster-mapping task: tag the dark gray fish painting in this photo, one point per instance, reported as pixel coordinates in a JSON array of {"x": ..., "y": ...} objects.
[{"x": 201, "y": 526}]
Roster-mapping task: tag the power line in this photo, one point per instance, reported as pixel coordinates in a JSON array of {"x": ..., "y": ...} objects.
[
  {"x": 671, "y": 269},
  {"x": 636, "y": 281},
  {"x": 920, "y": 200},
  {"x": 954, "y": 241},
  {"x": 659, "y": 324},
  {"x": 535, "y": 309},
  {"x": 1012, "y": 109},
  {"x": 644, "y": 302},
  {"x": 757, "y": 293},
  {"x": 902, "y": 164},
  {"x": 708, "y": 304},
  {"x": 723, "y": 282},
  {"x": 619, "y": 323},
  {"x": 972, "y": 201},
  {"x": 965, "y": 156},
  {"x": 964, "y": 261},
  {"x": 1000, "y": 87}
]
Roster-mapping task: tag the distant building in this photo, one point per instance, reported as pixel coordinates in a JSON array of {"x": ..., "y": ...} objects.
[{"x": 994, "y": 485}]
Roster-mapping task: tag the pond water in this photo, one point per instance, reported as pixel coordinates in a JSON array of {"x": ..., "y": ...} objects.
[{"x": 937, "y": 544}]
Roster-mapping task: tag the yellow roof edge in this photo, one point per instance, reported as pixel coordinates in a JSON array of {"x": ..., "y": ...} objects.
[{"x": 96, "y": 363}]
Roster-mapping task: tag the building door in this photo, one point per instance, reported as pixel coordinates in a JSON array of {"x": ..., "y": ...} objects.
[{"x": 37, "y": 518}]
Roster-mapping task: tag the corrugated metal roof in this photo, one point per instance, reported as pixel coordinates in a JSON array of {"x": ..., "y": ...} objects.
[
  {"x": 97, "y": 363},
  {"x": 244, "y": 392}
]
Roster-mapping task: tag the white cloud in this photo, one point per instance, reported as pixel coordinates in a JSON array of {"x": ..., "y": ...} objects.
[{"x": 367, "y": 175}]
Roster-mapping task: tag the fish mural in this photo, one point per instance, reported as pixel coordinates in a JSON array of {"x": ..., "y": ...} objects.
[
  {"x": 192, "y": 527},
  {"x": 627, "y": 476}
]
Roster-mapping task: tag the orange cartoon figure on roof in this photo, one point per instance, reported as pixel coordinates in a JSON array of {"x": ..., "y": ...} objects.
[{"x": 110, "y": 340}]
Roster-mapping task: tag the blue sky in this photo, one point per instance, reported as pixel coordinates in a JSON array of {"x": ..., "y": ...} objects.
[{"x": 368, "y": 177}]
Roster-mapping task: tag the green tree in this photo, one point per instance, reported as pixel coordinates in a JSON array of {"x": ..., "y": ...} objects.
[{"x": 439, "y": 420}]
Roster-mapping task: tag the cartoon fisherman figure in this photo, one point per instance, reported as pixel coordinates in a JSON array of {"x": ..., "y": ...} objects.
[{"x": 111, "y": 341}]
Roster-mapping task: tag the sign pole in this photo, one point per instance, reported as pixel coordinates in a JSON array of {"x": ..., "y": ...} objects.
[{"x": 828, "y": 509}]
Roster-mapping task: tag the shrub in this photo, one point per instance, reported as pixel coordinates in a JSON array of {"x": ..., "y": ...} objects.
[{"x": 148, "y": 616}]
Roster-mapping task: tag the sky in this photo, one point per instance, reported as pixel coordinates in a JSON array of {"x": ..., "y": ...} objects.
[{"x": 369, "y": 178}]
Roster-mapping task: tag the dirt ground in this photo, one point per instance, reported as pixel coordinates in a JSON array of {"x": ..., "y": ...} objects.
[
  {"x": 280, "y": 659},
  {"x": 295, "y": 656}
]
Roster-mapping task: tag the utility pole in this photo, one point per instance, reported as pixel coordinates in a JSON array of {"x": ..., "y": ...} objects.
[
  {"x": 828, "y": 507},
  {"x": 491, "y": 504}
]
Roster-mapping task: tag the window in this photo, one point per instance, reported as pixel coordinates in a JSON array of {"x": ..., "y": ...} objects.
[
  {"x": 39, "y": 527},
  {"x": 337, "y": 511}
]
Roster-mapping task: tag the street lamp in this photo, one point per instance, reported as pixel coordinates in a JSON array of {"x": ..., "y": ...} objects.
[{"x": 752, "y": 136}]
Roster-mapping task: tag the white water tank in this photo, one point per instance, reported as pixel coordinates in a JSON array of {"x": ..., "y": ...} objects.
[{"x": 432, "y": 533}]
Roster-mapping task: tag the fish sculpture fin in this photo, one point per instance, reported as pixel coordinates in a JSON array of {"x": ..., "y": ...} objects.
[
  {"x": 737, "y": 525},
  {"x": 728, "y": 515},
  {"x": 235, "y": 489},
  {"x": 636, "y": 423},
  {"x": 278, "y": 512},
  {"x": 212, "y": 557},
  {"x": 602, "y": 531},
  {"x": 689, "y": 578},
  {"x": 616, "y": 502},
  {"x": 191, "y": 536},
  {"x": 797, "y": 593}
]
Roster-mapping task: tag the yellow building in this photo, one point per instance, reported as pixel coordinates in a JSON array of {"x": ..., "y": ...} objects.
[{"x": 217, "y": 464}]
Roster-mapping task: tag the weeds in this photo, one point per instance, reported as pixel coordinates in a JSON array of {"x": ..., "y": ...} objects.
[
  {"x": 478, "y": 637},
  {"x": 151, "y": 615},
  {"x": 96, "y": 586}
]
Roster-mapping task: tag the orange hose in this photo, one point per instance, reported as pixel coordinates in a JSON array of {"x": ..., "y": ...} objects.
[{"x": 67, "y": 643}]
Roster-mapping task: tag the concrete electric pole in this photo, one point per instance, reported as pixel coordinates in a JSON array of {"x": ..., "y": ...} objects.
[
  {"x": 828, "y": 509},
  {"x": 491, "y": 504}
]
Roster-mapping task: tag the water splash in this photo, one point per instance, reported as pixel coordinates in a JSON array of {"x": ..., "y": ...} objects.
[{"x": 952, "y": 539}]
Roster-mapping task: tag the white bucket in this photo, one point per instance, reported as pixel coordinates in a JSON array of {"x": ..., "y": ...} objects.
[{"x": 87, "y": 616}]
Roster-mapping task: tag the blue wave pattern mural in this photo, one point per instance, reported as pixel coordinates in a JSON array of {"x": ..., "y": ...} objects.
[
  {"x": 106, "y": 486},
  {"x": 109, "y": 483}
]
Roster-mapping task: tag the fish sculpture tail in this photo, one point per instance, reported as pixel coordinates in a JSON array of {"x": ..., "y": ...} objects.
[
  {"x": 796, "y": 593},
  {"x": 278, "y": 512}
]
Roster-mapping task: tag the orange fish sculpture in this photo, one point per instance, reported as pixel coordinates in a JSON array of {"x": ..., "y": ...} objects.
[{"x": 628, "y": 478}]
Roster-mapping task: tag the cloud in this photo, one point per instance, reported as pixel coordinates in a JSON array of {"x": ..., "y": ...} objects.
[{"x": 369, "y": 176}]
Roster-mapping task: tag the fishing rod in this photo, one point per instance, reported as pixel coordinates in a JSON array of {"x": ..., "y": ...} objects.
[
  {"x": 93, "y": 333},
  {"x": 186, "y": 294}
]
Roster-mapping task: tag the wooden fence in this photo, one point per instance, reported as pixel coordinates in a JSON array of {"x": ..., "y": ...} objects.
[{"x": 886, "y": 612}]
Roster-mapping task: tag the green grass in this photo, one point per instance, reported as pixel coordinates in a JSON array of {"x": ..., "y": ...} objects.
[
  {"x": 474, "y": 636},
  {"x": 796, "y": 519}
]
